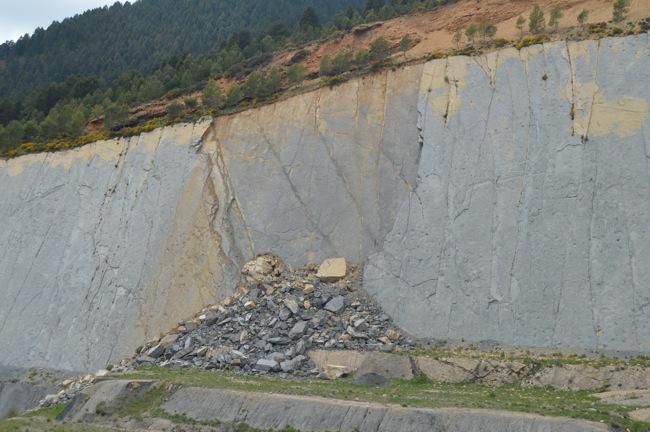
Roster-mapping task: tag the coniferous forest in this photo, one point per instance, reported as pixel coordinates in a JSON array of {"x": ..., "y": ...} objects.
[{"x": 105, "y": 60}]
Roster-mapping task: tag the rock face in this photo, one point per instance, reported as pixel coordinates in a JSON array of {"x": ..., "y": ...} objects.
[
  {"x": 530, "y": 221},
  {"x": 504, "y": 197},
  {"x": 105, "y": 246}
]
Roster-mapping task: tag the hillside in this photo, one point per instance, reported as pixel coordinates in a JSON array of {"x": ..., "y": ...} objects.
[
  {"x": 140, "y": 36},
  {"x": 253, "y": 68}
]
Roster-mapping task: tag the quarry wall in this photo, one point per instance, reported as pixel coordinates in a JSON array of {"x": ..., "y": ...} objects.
[{"x": 504, "y": 197}]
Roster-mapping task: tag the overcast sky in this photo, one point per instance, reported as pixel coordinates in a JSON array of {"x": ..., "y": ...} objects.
[{"x": 18, "y": 17}]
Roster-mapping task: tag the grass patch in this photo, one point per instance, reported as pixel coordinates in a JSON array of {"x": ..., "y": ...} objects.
[
  {"x": 526, "y": 357},
  {"x": 50, "y": 412},
  {"x": 420, "y": 392},
  {"x": 45, "y": 425},
  {"x": 139, "y": 404}
]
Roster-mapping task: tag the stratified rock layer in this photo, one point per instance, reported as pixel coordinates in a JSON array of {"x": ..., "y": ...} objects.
[{"x": 503, "y": 197}]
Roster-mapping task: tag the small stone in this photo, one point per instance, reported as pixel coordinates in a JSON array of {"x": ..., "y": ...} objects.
[
  {"x": 292, "y": 305},
  {"x": 393, "y": 335},
  {"x": 335, "y": 372},
  {"x": 243, "y": 336},
  {"x": 209, "y": 318},
  {"x": 190, "y": 326},
  {"x": 50, "y": 399},
  {"x": 266, "y": 365},
  {"x": 306, "y": 304},
  {"x": 284, "y": 314},
  {"x": 371, "y": 379},
  {"x": 201, "y": 351},
  {"x": 309, "y": 288},
  {"x": 336, "y": 305},
  {"x": 238, "y": 354},
  {"x": 250, "y": 304},
  {"x": 277, "y": 357},
  {"x": 156, "y": 351},
  {"x": 360, "y": 323},
  {"x": 300, "y": 347},
  {"x": 298, "y": 330},
  {"x": 291, "y": 365},
  {"x": 168, "y": 340},
  {"x": 332, "y": 270}
]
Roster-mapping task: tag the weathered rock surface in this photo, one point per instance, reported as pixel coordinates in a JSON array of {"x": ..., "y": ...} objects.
[
  {"x": 463, "y": 370},
  {"x": 106, "y": 246},
  {"x": 530, "y": 220},
  {"x": 22, "y": 389},
  {"x": 315, "y": 414},
  {"x": 503, "y": 197}
]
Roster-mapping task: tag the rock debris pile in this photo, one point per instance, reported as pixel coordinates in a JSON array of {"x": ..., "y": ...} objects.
[{"x": 274, "y": 318}]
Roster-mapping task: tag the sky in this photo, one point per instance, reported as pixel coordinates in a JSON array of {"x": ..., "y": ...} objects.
[{"x": 18, "y": 17}]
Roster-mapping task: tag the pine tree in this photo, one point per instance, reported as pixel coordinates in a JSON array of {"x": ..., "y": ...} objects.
[
  {"x": 486, "y": 29},
  {"x": 582, "y": 17},
  {"x": 456, "y": 38},
  {"x": 234, "y": 95},
  {"x": 379, "y": 50},
  {"x": 374, "y": 5},
  {"x": 470, "y": 32},
  {"x": 405, "y": 44},
  {"x": 309, "y": 20},
  {"x": 212, "y": 97},
  {"x": 521, "y": 21},
  {"x": 536, "y": 21},
  {"x": 555, "y": 16},
  {"x": 296, "y": 73},
  {"x": 620, "y": 9}
]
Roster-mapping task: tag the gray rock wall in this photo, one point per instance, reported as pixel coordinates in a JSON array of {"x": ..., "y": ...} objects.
[
  {"x": 530, "y": 221},
  {"x": 104, "y": 247},
  {"x": 504, "y": 197}
]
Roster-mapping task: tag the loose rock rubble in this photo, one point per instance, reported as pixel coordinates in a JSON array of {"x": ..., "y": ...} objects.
[
  {"x": 275, "y": 316},
  {"x": 70, "y": 388}
]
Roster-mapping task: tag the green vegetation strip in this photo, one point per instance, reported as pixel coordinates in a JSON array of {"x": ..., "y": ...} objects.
[
  {"x": 40, "y": 424},
  {"x": 420, "y": 392},
  {"x": 527, "y": 357}
]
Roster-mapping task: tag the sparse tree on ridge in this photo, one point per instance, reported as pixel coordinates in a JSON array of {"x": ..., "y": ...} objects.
[
  {"x": 295, "y": 73},
  {"x": 379, "y": 50},
  {"x": 486, "y": 29},
  {"x": 470, "y": 32},
  {"x": 536, "y": 21},
  {"x": 457, "y": 38},
  {"x": 309, "y": 19},
  {"x": 555, "y": 16},
  {"x": 582, "y": 17},
  {"x": 212, "y": 97},
  {"x": 620, "y": 10},
  {"x": 405, "y": 44},
  {"x": 521, "y": 21}
]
